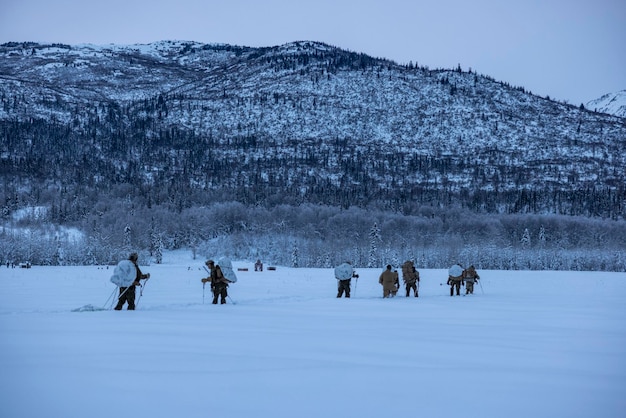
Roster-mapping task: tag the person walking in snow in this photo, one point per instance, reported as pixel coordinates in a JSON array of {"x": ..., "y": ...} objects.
[
  {"x": 211, "y": 266},
  {"x": 220, "y": 285},
  {"x": 410, "y": 277},
  {"x": 470, "y": 277},
  {"x": 344, "y": 274},
  {"x": 455, "y": 279},
  {"x": 258, "y": 266},
  {"x": 389, "y": 280},
  {"x": 219, "y": 281},
  {"x": 127, "y": 281}
]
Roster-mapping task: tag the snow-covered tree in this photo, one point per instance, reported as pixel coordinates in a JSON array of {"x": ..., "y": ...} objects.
[
  {"x": 158, "y": 249},
  {"x": 375, "y": 239},
  {"x": 525, "y": 241},
  {"x": 295, "y": 258},
  {"x": 127, "y": 238},
  {"x": 542, "y": 237}
]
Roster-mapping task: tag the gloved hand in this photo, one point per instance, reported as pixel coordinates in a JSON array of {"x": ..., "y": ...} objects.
[{"x": 136, "y": 283}]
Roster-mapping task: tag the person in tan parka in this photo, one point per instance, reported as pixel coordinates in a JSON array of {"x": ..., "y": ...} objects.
[
  {"x": 389, "y": 280},
  {"x": 470, "y": 277},
  {"x": 411, "y": 278}
]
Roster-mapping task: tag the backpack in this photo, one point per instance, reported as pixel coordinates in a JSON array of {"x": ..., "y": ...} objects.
[
  {"x": 409, "y": 274},
  {"x": 124, "y": 274}
]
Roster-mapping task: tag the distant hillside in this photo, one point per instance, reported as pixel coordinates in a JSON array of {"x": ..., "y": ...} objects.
[
  {"x": 299, "y": 122},
  {"x": 293, "y": 149},
  {"x": 612, "y": 103}
]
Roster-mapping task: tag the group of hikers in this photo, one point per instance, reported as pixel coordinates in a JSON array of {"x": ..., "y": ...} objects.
[
  {"x": 390, "y": 279},
  {"x": 457, "y": 276},
  {"x": 127, "y": 276}
]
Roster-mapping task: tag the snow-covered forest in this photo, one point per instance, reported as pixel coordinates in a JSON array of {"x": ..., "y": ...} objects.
[{"x": 321, "y": 236}]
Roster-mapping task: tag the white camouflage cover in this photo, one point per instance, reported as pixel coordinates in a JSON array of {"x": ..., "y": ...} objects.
[
  {"x": 227, "y": 269},
  {"x": 455, "y": 271},
  {"x": 124, "y": 274},
  {"x": 343, "y": 271}
]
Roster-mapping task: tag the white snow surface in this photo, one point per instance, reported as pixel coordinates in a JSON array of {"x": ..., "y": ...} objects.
[
  {"x": 611, "y": 103},
  {"x": 526, "y": 344}
]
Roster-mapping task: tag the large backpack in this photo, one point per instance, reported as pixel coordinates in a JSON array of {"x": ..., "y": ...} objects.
[
  {"x": 124, "y": 274},
  {"x": 409, "y": 275},
  {"x": 227, "y": 269},
  {"x": 344, "y": 271}
]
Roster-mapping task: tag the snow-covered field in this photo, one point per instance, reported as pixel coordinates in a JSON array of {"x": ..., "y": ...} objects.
[{"x": 526, "y": 344}]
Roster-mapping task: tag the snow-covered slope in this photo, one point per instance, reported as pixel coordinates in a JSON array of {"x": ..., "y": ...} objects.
[
  {"x": 304, "y": 121},
  {"x": 612, "y": 103}
]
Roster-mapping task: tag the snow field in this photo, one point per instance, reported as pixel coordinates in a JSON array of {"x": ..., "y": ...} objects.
[{"x": 529, "y": 344}]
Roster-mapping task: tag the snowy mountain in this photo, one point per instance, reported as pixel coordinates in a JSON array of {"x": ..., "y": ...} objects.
[
  {"x": 158, "y": 136},
  {"x": 305, "y": 119},
  {"x": 611, "y": 103}
]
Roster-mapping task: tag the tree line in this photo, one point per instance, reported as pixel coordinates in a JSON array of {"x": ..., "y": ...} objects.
[{"x": 320, "y": 235}]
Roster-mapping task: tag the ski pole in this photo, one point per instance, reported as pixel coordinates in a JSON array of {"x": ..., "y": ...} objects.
[
  {"x": 141, "y": 292},
  {"x": 481, "y": 286},
  {"x": 204, "y": 283},
  {"x": 142, "y": 287},
  {"x": 107, "y": 301}
]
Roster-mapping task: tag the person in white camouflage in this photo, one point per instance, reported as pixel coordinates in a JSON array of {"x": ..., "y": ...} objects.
[
  {"x": 127, "y": 290},
  {"x": 344, "y": 274},
  {"x": 455, "y": 279}
]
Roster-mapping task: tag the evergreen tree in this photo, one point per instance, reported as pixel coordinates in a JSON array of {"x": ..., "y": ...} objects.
[
  {"x": 542, "y": 237},
  {"x": 375, "y": 239},
  {"x": 294, "y": 256},
  {"x": 525, "y": 241},
  {"x": 158, "y": 249},
  {"x": 127, "y": 238}
]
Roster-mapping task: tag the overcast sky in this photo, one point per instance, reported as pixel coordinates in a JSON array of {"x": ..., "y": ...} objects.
[{"x": 573, "y": 50}]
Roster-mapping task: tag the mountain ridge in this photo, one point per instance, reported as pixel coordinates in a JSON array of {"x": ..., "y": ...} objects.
[
  {"x": 610, "y": 103},
  {"x": 309, "y": 120}
]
